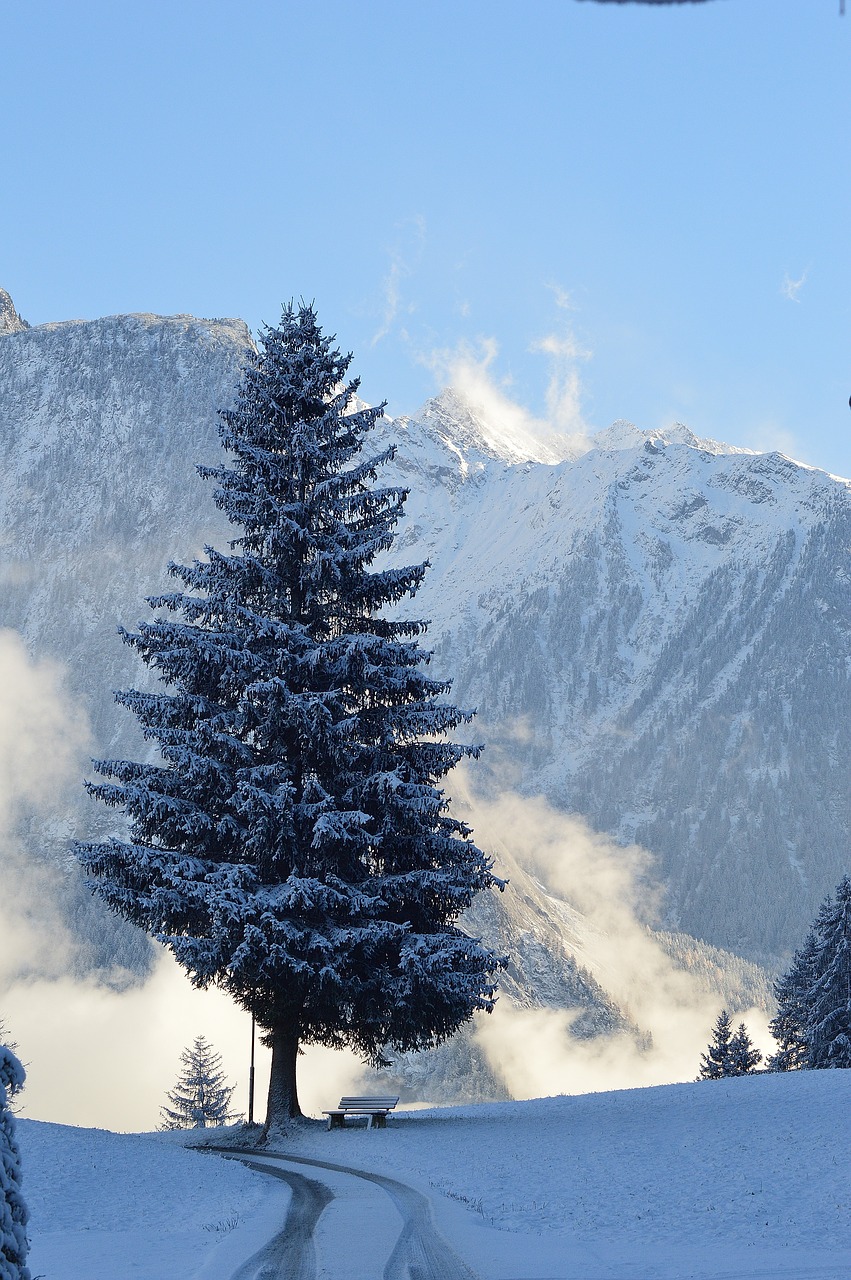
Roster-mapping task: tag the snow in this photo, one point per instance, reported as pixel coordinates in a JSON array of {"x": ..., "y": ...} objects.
[
  {"x": 105, "y": 1206},
  {"x": 732, "y": 1178}
]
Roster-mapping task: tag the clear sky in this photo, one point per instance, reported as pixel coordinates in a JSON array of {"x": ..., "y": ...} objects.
[{"x": 597, "y": 211}]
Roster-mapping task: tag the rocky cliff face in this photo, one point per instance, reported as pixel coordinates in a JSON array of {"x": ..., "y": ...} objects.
[{"x": 10, "y": 321}]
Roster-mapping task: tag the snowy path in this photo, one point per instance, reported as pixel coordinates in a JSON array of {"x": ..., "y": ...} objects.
[
  {"x": 419, "y": 1253},
  {"x": 291, "y": 1252}
]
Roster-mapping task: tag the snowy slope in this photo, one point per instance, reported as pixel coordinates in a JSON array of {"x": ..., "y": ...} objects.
[
  {"x": 104, "y": 1206},
  {"x": 738, "y": 1178}
]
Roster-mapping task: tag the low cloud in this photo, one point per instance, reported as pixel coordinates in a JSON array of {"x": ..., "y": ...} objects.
[
  {"x": 615, "y": 891},
  {"x": 44, "y": 738},
  {"x": 106, "y": 1059},
  {"x": 98, "y": 1056}
]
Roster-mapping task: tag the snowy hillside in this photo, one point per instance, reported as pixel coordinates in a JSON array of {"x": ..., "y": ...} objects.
[{"x": 745, "y": 1177}]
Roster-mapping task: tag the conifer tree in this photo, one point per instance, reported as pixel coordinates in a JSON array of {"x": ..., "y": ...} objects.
[
  {"x": 715, "y": 1062},
  {"x": 828, "y": 999},
  {"x": 201, "y": 1096},
  {"x": 294, "y": 846},
  {"x": 742, "y": 1058},
  {"x": 13, "y": 1210},
  {"x": 789, "y": 1025}
]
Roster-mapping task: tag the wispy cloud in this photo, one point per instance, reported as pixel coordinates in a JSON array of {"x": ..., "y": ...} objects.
[
  {"x": 791, "y": 288},
  {"x": 564, "y": 386},
  {"x": 404, "y": 259},
  {"x": 472, "y": 370},
  {"x": 563, "y": 297}
]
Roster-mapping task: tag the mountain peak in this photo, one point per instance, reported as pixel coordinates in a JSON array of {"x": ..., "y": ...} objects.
[
  {"x": 626, "y": 435},
  {"x": 10, "y": 321},
  {"x": 503, "y": 432}
]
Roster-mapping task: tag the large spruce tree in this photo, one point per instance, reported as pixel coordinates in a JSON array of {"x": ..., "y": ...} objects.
[{"x": 292, "y": 845}]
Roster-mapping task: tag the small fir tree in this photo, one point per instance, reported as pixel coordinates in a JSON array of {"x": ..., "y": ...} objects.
[
  {"x": 789, "y": 1025},
  {"x": 201, "y": 1097},
  {"x": 742, "y": 1058},
  {"x": 828, "y": 999},
  {"x": 294, "y": 846},
  {"x": 13, "y": 1210},
  {"x": 715, "y": 1062}
]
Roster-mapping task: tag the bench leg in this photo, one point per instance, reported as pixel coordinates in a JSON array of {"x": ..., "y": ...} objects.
[{"x": 336, "y": 1122}]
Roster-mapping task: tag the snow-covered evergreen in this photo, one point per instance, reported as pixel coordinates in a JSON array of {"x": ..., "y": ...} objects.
[
  {"x": 6, "y": 1040},
  {"x": 15, "y": 1083},
  {"x": 13, "y": 1209},
  {"x": 729, "y": 1053},
  {"x": 789, "y": 1024},
  {"x": 828, "y": 1027},
  {"x": 813, "y": 1020},
  {"x": 714, "y": 1063},
  {"x": 202, "y": 1095},
  {"x": 294, "y": 846},
  {"x": 743, "y": 1057}
]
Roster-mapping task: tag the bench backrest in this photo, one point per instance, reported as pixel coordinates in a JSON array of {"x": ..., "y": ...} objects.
[{"x": 380, "y": 1104}]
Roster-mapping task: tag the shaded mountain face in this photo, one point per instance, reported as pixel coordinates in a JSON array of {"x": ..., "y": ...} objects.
[
  {"x": 655, "y": 633},
  {"x": 656, "y": 636},
  {"x": 102, "y": 423}
]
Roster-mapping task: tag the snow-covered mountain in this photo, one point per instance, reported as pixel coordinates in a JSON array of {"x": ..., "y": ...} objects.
[
  {"x": 655, "y": 632},
  {"x": 656, "y": 636}
]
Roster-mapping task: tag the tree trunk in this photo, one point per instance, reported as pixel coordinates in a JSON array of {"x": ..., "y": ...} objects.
[{"x": 283, "y": 1092}]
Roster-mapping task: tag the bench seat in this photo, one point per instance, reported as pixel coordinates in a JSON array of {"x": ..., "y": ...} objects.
[{"x": 375, "y": 1109}]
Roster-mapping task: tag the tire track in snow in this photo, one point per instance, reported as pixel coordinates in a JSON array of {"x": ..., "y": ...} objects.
[
  {"x": 420, "y": 1253},
  {"x": 291, "y": 1254}
]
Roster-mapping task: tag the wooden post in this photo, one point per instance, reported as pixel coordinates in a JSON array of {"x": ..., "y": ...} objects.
[{"x": 251, "y": 1076}]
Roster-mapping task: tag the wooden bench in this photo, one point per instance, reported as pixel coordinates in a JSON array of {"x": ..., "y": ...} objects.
[{"x": 375, "y": 1109}]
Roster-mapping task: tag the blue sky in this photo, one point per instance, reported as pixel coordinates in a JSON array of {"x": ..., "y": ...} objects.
[{"x": 594, "y": 211}]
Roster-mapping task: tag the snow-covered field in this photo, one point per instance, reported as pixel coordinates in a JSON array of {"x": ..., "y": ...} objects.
[{"x": 747, "y": 1177}]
